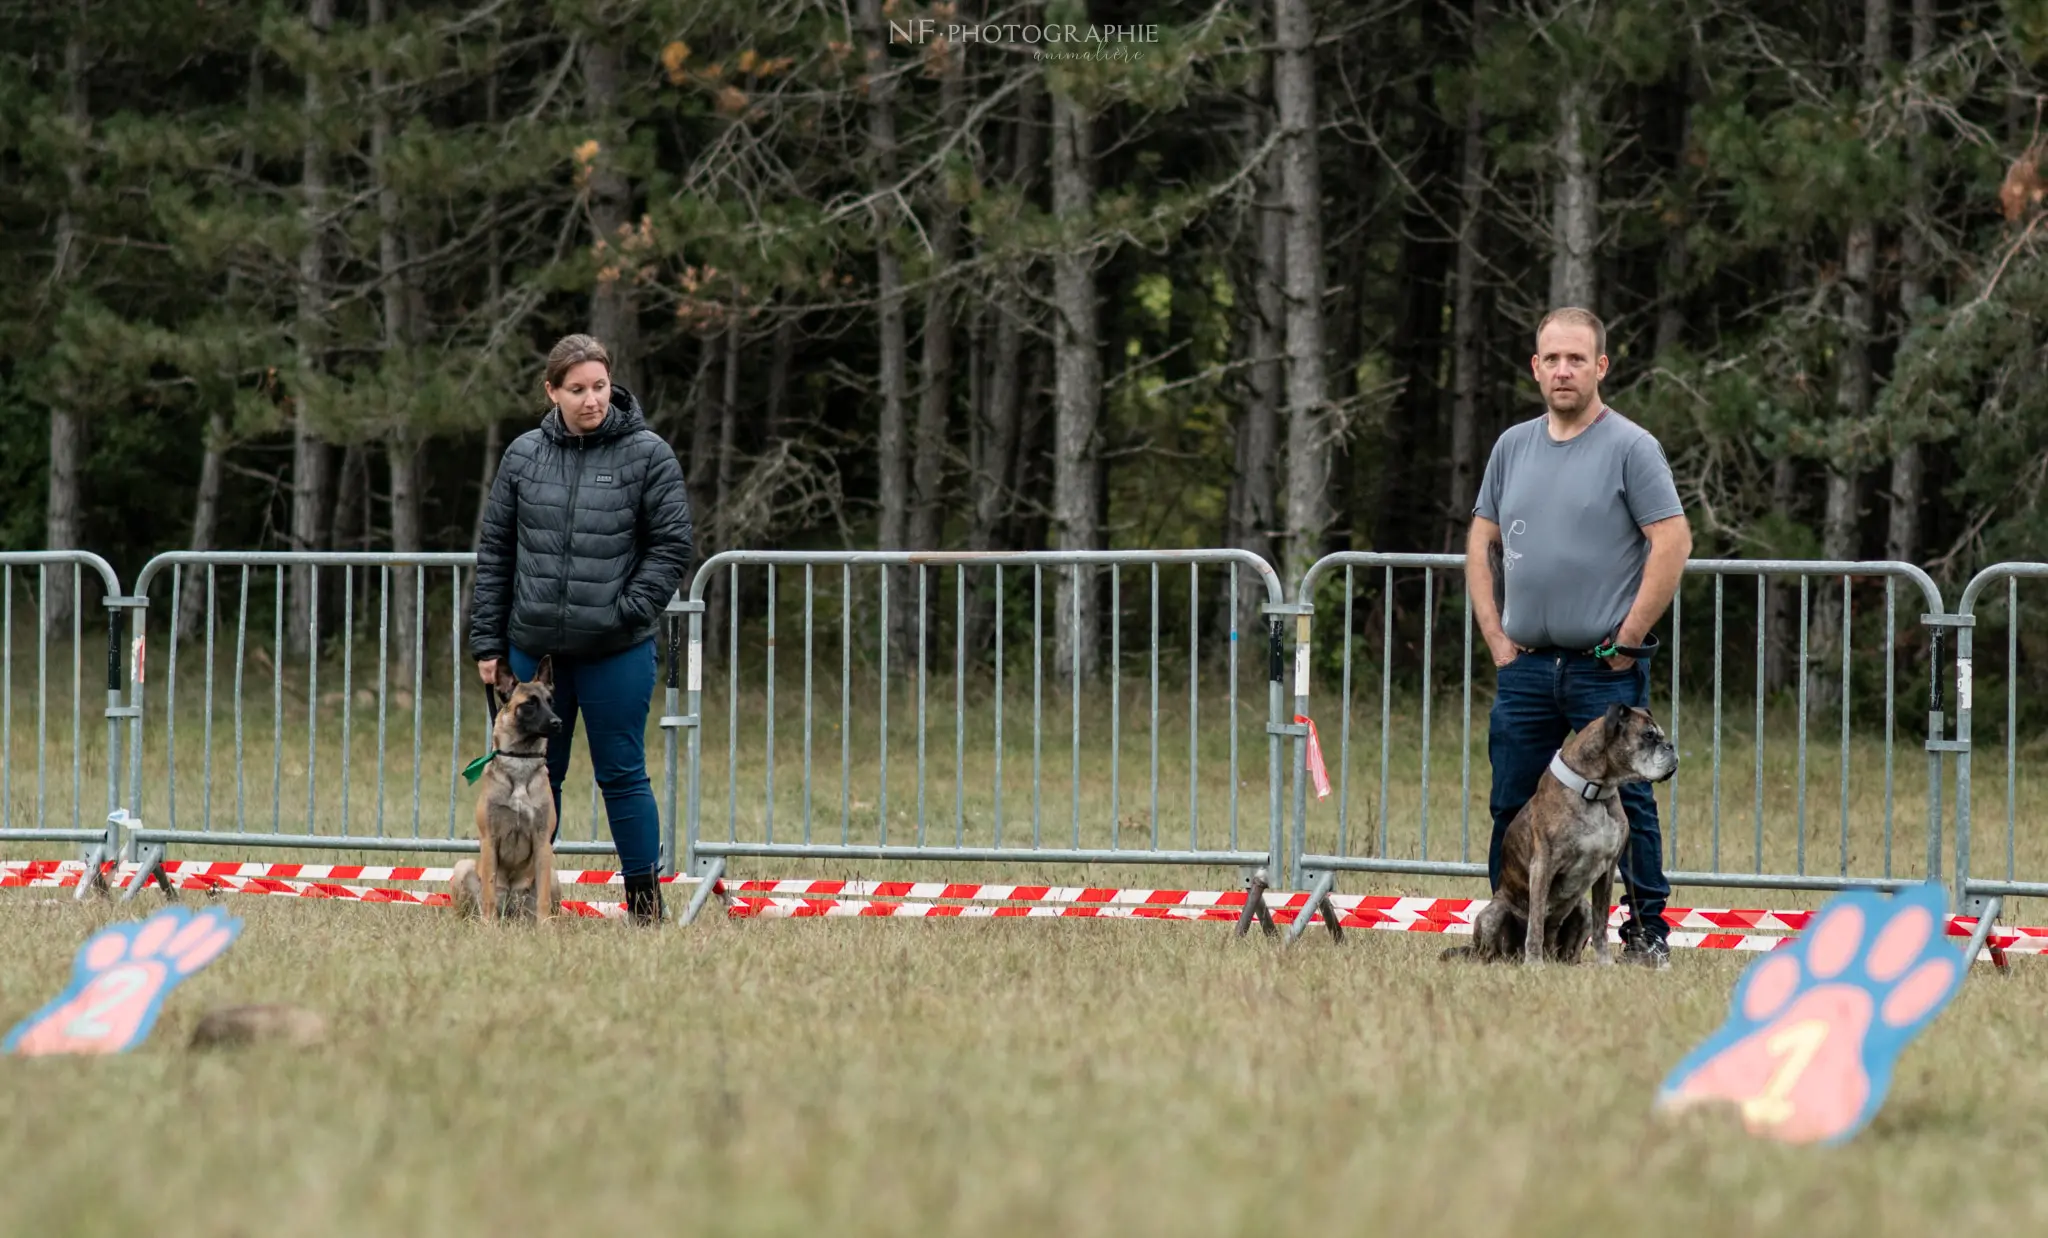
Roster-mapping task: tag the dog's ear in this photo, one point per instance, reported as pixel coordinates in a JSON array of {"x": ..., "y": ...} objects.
[
  {"x": 1615, "y": 719},
  {"x": 544, "y": 674},
  {"x": 505, "y": 681}
]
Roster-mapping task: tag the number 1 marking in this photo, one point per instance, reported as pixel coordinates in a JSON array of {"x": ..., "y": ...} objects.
[{"x": 1796, "y": 1046}]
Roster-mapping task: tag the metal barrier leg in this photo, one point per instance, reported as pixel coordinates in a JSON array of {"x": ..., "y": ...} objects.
[
  {"x": 705, "y": 888},
  {"x": 149, "y": 866},
  {"x": 1318, "y": 904},
  {"x": 1987, "y": 918},
  {"x": 1255, "y": 905}
]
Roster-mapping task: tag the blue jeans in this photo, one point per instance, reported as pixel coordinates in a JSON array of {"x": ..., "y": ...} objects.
[
  {"x": 1542, "y": 698},
  {"x": 612, "y": 694}
]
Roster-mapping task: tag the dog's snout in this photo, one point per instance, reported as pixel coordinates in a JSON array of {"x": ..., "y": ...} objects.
[{"x": 554, "y": 725}]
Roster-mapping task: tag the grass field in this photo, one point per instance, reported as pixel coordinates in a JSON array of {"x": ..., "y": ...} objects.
[{"x": 960, "y": 1077}]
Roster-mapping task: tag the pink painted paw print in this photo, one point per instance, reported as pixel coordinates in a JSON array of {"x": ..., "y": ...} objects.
[
  {"x": 119, "y": 981},
  {"x": 1813, "y": 1031}
]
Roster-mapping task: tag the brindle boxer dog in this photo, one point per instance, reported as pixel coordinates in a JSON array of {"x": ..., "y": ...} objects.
[
  {"x": 1560, "y": 855},
  {"x": 515, "y": 815}
]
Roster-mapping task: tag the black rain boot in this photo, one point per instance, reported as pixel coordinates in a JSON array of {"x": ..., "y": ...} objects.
[{"x": 643, "y": 899}]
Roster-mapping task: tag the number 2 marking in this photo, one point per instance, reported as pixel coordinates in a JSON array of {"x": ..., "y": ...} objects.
[
  {"x": 1796, "y": 1047},
  {"x": 114, "y": 988}
]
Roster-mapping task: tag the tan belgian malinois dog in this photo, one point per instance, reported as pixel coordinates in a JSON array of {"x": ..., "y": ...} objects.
[{"x": 515, "y": 815}]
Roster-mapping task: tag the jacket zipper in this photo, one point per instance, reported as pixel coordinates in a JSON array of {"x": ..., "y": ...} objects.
[{"x": 568, "y": 549}]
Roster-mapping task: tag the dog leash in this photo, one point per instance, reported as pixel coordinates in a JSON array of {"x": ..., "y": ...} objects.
[{"x": 475, "y": 769}]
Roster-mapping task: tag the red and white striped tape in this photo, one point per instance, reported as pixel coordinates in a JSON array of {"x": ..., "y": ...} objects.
[{"x": 1702, "y": 928}]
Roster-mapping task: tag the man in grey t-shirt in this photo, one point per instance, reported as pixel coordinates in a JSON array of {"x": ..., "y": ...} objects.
[{"x": 1592, "y": 539}]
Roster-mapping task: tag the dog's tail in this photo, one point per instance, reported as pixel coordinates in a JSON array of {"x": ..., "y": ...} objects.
[{"x": 1455, "y": 952}]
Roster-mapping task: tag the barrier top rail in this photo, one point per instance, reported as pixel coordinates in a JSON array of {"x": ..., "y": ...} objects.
[
  {"x": 1929, "y": 591},
  {"x": 971, "y": 558},
  {"x": 299, "y": 558},
  {"x": 44, "y": 558}
]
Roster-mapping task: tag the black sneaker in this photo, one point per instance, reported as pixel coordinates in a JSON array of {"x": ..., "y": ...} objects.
[{"x": 1643, "y": 950}]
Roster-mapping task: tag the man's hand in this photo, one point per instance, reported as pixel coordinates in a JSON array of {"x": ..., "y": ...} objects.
[
  {"x": 1504, "y": 650},
  {"x": 1619, "y": 662},
  {"x": 487, "y": 670}
]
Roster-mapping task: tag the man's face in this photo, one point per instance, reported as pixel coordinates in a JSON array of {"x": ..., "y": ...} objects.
[{"x": 1568, "y": 367}]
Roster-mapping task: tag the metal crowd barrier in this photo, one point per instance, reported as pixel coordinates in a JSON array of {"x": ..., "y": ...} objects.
[
  {"x": 191, "y": 777},
  {"x": 22, "y": 819},
  {"x": 1318, "y": 859},
  {"x": 1984, "y": 896},
  {"x": 986, "y": 817}
]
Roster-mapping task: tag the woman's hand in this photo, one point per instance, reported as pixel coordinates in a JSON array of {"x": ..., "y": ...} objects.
[{"x": 487, "y": 670}]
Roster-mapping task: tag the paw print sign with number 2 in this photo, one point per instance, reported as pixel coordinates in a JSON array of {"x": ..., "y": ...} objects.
[
  {"x": 1814, "y": 1028},
  {"x": 119, "y": 981}
]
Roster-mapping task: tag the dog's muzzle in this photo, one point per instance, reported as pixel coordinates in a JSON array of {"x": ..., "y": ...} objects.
[{"x": 554, "y": 726}]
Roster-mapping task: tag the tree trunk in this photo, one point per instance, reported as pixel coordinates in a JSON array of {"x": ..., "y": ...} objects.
[
  {"x": 1308, "y": 416},
  {"x": 62, "y": 527},
  {"x": 1853, "y": 389},
  {"x": 997, "y": 458},
  {"x": 309, "y": 454},
  {"x": 928, "y": 471},
  {"x": 778, "y": 379},
  {"x": 724, "y": 534},
  {"x": 1575, "y": 214},
  {"x": 212, "y": 462},
  {"x": 1902, "y": 533},
  {"x": 614, "y": 314},
  {"x": 1675, "y": 264},
  {"x": 1466, "y": 355},
  {"x": 894, "y": 490},
  {"x": 1781, "y": 600},
  {"x": 401, "y": 330},
  {"x": 494, "y": 451},
  {"x": 1077, "y": 384},
  {"x": 1252, "y": 515}
]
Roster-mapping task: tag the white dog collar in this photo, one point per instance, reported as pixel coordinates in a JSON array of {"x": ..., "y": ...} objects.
[{"x": 1588, "y": 791}]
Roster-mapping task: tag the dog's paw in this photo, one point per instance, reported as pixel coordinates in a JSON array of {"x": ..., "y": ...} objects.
[
  {"x": 1814, "y": 1029},
  {"x": 120, "y": 979}
]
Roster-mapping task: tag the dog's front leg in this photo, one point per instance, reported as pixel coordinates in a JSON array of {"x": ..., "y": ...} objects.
[
  {"x": 1597, "y": 900},
  {"x": 543, "y": 877},
  {"x": 1539, "y": 898},
  {"x": 487, "y": 874}
]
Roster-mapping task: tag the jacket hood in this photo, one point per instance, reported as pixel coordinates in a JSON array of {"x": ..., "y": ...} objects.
[{"x": 623, "y": 418}]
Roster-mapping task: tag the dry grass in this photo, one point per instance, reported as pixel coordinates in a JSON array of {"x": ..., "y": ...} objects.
[
  {"x": 962, "y": 1077},
  {"x": 1115, "y": 795}
]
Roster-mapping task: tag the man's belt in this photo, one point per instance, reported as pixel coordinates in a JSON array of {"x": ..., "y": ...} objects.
[{"x": 1610, "y": 647}]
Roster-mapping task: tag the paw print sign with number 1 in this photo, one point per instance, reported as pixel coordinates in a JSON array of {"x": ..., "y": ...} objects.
[
  {"x": 1814, "y": 1029},
  {"x": 119, "y": 981}
]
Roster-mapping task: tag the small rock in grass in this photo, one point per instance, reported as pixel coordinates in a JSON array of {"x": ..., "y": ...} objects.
[{"x": 235, "y": 1026}]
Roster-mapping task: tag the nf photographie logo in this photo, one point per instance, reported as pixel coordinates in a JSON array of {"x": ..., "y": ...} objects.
[{"x": 1052, "y": 41}]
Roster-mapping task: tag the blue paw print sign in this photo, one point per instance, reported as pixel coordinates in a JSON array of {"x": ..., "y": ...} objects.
[
  {"x": 1814, "y": 1029},
  {"x": 119, "y": 981}
]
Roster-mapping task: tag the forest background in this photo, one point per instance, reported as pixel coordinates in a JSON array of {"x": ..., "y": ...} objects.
[{"x": 900, "y": 275}]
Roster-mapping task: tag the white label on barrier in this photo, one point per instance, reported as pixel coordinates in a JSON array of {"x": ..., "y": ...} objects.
[
  {"x": 135, "y": 669},
  {"x": 1962, "y": 684},
  {"x": 696, "y": 665},
  {"x": 1301, "y": 670}
]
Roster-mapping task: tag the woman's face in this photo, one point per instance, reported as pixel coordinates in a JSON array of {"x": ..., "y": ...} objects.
[{"x": 583, "y": 397}]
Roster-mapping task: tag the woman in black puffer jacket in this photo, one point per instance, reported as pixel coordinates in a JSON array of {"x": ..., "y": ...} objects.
[{"x": 585, "y": 537}]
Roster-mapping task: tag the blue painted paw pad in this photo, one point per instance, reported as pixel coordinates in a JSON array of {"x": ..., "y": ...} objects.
[
  {"x": 1814, "y": 1028},
  {"x": 119, "y": 981}
]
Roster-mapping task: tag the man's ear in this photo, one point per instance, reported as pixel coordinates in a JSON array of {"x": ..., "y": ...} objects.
[
  {"x": 504, "y": 681},
  {"x": 544, "y": 674}
]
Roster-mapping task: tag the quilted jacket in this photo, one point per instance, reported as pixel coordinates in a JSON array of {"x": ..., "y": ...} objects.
[{"x": 585, "y": 537}]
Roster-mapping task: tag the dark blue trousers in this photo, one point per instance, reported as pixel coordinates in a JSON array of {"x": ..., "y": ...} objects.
[
  {"x": 612, "y": 694},
  {"x": 1543, "y": 697}
]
